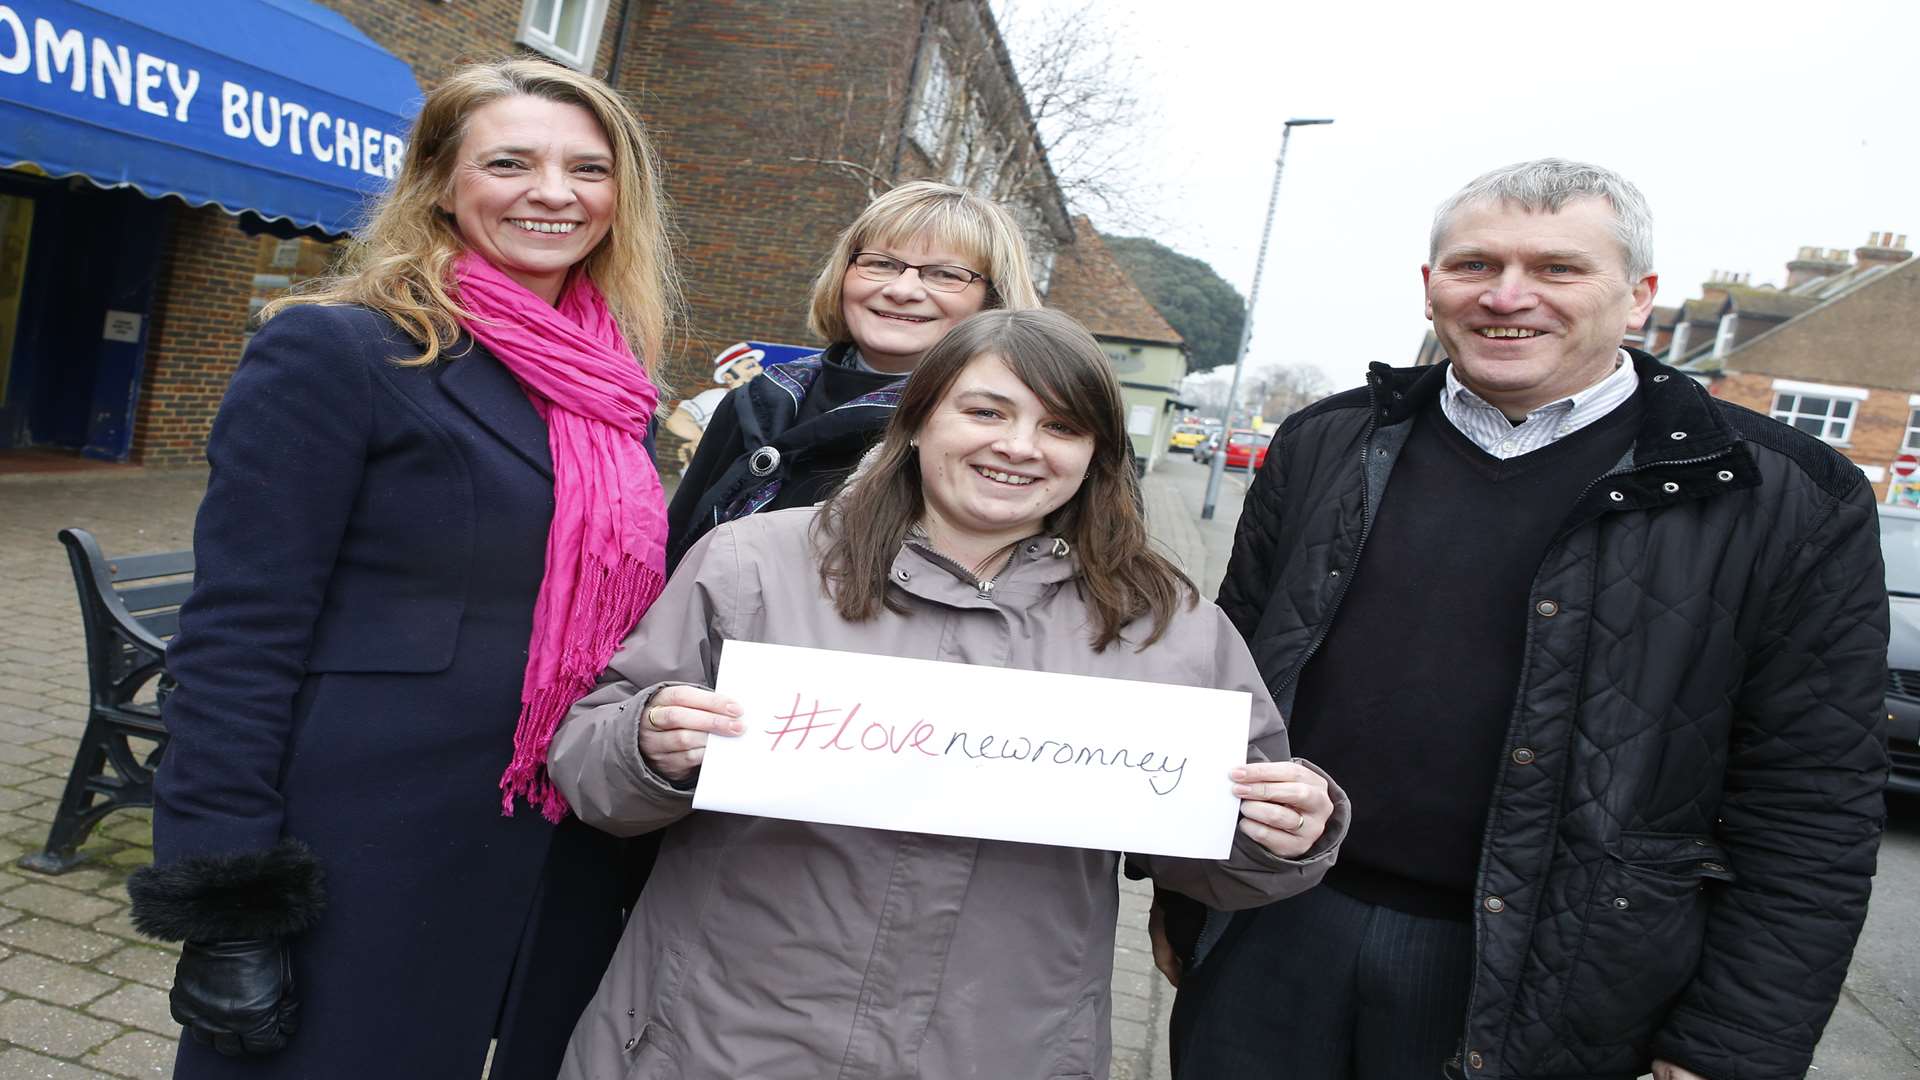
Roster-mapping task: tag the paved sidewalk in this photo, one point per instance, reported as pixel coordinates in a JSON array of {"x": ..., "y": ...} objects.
[{"x": 81, "y": 995}]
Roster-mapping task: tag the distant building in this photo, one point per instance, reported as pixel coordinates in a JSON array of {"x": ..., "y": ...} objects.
[
  {"x": 1845, "y": 367},
  {"x": 1149, "y": 356}
]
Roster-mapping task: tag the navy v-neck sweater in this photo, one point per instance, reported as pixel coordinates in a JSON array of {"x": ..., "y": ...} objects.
[{"x": 1408, "y": 699}]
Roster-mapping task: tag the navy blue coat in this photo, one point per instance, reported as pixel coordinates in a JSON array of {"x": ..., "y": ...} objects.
[{"x": 368, "y": 554}]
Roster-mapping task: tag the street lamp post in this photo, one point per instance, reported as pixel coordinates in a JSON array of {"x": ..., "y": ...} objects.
[{"x": 1218, "y": 464}]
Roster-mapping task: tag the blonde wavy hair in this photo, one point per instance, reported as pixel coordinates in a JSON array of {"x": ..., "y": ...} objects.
[
  {"x": 977, "y": 229},
  {"x": 400, "y": 264}
]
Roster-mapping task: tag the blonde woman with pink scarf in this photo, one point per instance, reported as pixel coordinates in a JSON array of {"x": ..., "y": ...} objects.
[{"x": 432, "y": 515}]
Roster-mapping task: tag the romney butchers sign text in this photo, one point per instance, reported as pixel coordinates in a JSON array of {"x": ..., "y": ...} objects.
[
  {"x": 325, "y": 113},
  {"x": 925, "y": 746}
]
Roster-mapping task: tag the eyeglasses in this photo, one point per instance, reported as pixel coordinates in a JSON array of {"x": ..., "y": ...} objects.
[{"x": 937, "y": 276}]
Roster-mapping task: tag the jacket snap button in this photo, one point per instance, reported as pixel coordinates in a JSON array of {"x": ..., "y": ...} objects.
[
  {"x": 1333, "y": 573},
  {"x": 1494, "y": 904},
  {"x": 1616, "y": 496},
  {"x": 763, "y": 461},
  {"x": 1677, "y": 436},
  {"x": 1622, "y": 903},
  {"x": 1713, "y": 866},
  {"x": 1659, "y": 378},
  {"x": 902, "y": 575},
  {"x": 1547, "y": 608},
  {"x": 1474, "y": 1059},
  {"x": 1522, "y": 756},
  {"x": 633, "y": 1042},
  {"x": 1669, "y": 487},
  {"x": 1725, "y": 475}
]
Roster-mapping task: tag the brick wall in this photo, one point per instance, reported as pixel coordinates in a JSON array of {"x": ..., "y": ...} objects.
[
  {"x": 1879, "y": 424},
  {"x": 193, "y": 340},
  {"x": 745, "y": 102},
  {"x": 734, "y": 93}
]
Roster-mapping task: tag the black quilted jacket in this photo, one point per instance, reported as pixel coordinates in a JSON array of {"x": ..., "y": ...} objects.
[{"x": 1683, "y": 831}]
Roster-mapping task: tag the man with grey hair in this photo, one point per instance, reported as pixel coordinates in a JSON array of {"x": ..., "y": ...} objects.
[{"x": 1599, "y": 659}]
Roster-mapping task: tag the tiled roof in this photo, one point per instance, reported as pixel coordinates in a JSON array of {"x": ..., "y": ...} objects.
[
  {"x": 1090, "y": 286},
  {"x": 1701, "y": 310},
  {"x": 1769, "y": 303}
]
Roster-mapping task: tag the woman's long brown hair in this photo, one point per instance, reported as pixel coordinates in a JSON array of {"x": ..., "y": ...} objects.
[{"x": 860, "y": 530}]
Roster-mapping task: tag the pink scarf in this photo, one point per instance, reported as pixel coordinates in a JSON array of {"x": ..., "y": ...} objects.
[{"x": 606, "y": 549}]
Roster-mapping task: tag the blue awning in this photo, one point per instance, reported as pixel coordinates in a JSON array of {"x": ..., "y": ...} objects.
[{"x": 276, "y": 106}]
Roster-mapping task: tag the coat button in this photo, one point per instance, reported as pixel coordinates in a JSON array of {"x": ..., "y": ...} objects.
[
  {"x": 1474, "y": 1059},
  {"x": 1677, "y": 436},
  {"x": 1725, "y": 475},
  {"x": 1659, "y": 378},
  {"x": 1670, "y": 487},
  {"x": 1333, "y": 573},
  {"x": 633, "y": 1042},
  {"x": 1621, "y": 903},
  {"x": 1547, "y": 608},
  {"x": 1494, "y": 904},
  {"x": 1713, "y": 866},
  {"x": 902, "y": 574},
  {"x": 1522, "y": 756},
  {"x": 1616, "y": 496}
]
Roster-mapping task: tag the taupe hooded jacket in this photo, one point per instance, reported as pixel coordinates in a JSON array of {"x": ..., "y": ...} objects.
[{"x": 772, "y": 949}]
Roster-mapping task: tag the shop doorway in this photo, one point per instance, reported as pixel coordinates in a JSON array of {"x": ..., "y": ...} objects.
[{"x": 77, "y": 270}]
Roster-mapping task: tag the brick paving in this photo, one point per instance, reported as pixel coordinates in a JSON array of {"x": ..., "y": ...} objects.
[{"x": 83, "y": 996}]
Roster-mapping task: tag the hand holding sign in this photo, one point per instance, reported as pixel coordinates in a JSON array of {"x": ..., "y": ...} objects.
[
  {"x": 1285, "y": 806},
  {"x": 675, "y": 726}
]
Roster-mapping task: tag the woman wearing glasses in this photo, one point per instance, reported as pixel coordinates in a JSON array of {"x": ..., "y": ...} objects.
[{"x": 916, "y": 262}]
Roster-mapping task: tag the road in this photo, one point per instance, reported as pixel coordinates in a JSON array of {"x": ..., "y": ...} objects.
[{"x": 1875, "y": 1031}]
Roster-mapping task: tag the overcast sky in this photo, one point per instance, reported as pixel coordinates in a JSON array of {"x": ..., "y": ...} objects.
[{"x": 1753, "y": 129}]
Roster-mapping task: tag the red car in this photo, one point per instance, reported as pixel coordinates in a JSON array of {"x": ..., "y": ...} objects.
[{"x": 1242, "y": 444}]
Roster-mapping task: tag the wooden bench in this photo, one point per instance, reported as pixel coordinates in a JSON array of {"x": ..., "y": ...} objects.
[{"x": 128, "y": 616}]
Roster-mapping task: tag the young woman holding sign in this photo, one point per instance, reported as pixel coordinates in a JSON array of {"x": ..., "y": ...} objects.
[{"x": 997, "y": 522}]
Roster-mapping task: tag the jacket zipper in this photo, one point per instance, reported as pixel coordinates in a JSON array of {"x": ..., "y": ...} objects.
[
  {"x": 1457, "y": 1062},
  {"x": 1353, "y": 564},
  {"x": 984, "y": 587}
]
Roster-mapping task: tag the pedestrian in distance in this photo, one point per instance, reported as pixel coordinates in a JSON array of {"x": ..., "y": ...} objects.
[
  {"x": 913, "y": 264},
  {"x": 1601, "y": 659},
  {"x": 431, "y": 517},
  {"x": 996, "y": 517}
]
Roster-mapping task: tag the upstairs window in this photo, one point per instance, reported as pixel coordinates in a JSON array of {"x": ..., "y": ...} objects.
[
  {"x": 566, "y": 30},
  {"x": 935, "y": 103},
  {"x": 1824, "y": 412},
  {"x": 1723, "y": 341},
  {"x": 1911, "y": 444}
]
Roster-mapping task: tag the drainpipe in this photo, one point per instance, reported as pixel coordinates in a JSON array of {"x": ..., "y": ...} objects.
[
  {"x": 619, "y": 45},
  {"x": 913, "y": 80}
]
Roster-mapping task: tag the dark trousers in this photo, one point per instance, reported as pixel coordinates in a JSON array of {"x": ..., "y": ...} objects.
[{"x": 1325, "y": 987}]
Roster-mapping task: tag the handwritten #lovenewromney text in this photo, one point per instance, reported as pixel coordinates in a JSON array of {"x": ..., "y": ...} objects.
[{"x": 927, "y": 746}]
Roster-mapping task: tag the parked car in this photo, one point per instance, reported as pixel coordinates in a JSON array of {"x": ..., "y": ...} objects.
[
  {"x": 1247, "y": 449},
  {"x": 1203, "y": 454},
  {"x": 1185, "y": 437},
  {"x": 1900, "y": 543}
]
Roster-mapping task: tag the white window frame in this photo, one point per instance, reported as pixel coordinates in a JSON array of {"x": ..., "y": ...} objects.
[
  {"x": 1911, "y": 444},
  {"x": 1723, "y": 339},
  {"x": 541, "y": 39},
  {"x": 932, "y": 104},
  {"x": 1834, "y": 430},
  {"x": 1677, "y": 345}
]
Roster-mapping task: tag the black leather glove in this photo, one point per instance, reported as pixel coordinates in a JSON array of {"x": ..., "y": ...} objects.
[{"x": 235, "y": 995}]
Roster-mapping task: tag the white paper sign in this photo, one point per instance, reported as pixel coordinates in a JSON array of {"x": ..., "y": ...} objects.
[
  {"x": 1140, "y": 419},
  {"x": 925, "y": 746},
  {"x": 122, "y": 326}
]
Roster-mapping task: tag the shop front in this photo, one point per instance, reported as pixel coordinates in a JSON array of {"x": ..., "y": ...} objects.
[{"x": 116, "y": 116}]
